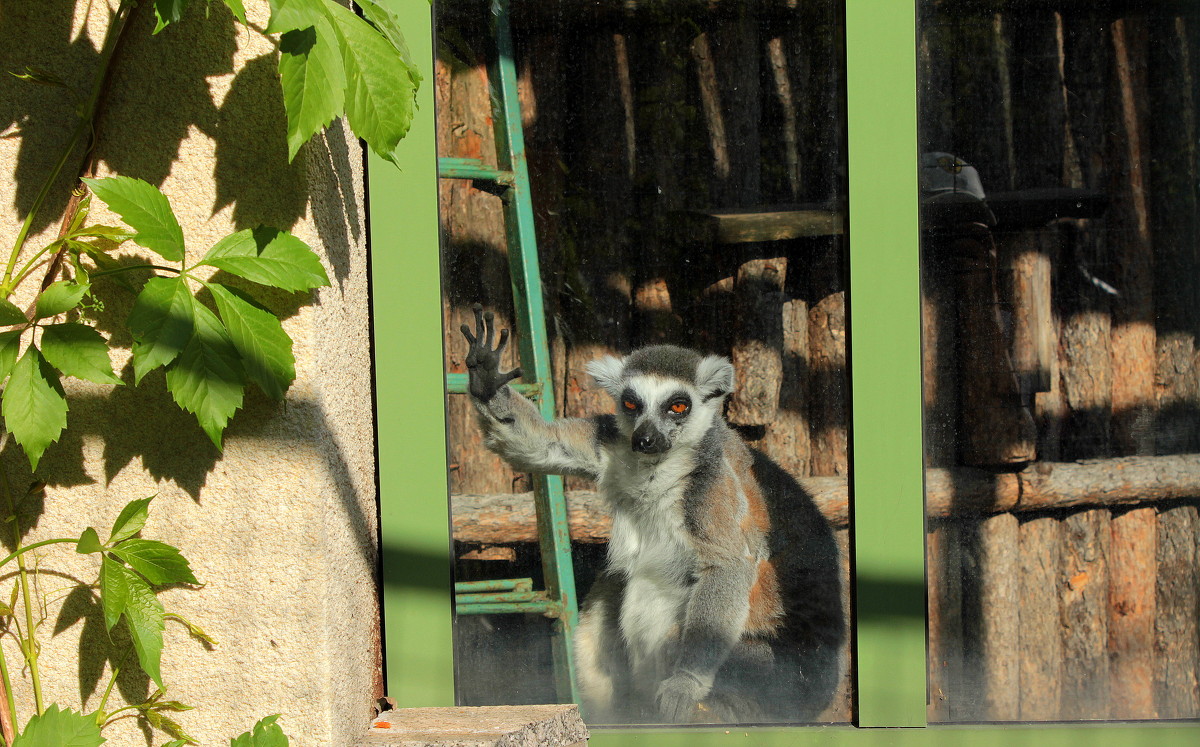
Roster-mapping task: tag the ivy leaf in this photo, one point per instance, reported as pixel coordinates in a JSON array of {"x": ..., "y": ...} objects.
[
  {"x": 161, "y": 323},
  {"x": 266, "y": 733},
  {"x": 268, "y": 256},
  {"x": 167, "y": 12},
  {"x": 193, "y": 628},
  {"x": 34, "y": 408},
  {"x": 206, "y": 379},
  {"x": 177, "y": 743},
  {"x": 238, "y": 10},
  {"x": 59, "y": 728},
  {"x": 131, "y": 520},
  {"x": 59, "y": 298},
  {"x": 10, "y": 344},
  {"x": 164, "y": 723},
  {"x": 380, "y": 86},
  {"x": 266, "y": 350},
  {"x": 159, "y": 562},
  {"x": 11, "y": 314},
  {"x": 388, "y": 25},
  {"x": 114, "y": 590},
  {"x": 144, "y": 616},
  {"x": 39, "y": 76},
  {"x": 313, "y": 80},
  {"x": 89, "y": 542},
  {"x": 146, "y": 210},
  {"x": 288, "y": 15},
  {"x": 111, "y": 233},
  {"x": 78, "y": 350}
]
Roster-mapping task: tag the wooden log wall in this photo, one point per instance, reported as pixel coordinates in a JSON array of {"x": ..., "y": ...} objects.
[
  {"x": 1083, "y": 612},
  {"x": 635, "y": 113}
]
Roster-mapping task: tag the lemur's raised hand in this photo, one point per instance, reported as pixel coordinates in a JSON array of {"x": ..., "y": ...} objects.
[
  {"x": 483, "y": 361},
  {"x": 721, "y": 599}
]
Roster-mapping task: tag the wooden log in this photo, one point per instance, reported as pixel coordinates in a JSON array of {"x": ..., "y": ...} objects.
[
  {"x": 746, "y": 225},
  {"x": 1177, "y": 693},
  {"x": 758, "y": 342},
  {"x": 943, "y": 553},
  {"x": 506, "y": 517},
  {"x": 828, "y": 385},
  {"x": 1028, "y": 257},
  {"x": 1084, "y": 614},
  {"x": 1131, "y": 613},
  {"x": 991, "y": 576},
  {"x": 939, "y": 364},
  {"x": 787, "y": 437},
  {"x": 841, "y": 708},
  {"x": 1128, "y": 225},
  {"x": 1040, "y": 649}
]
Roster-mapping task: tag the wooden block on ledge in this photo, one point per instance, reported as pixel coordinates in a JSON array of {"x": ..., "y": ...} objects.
[{"x": 480, "y": 726}]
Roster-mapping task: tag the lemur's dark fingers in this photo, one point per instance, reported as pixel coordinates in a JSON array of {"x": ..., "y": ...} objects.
[
  {"x": 478, "y": 309},
  {"x": 513, "y": 374},
  {"x": 489, "y": 320},
  {"x": 467, "y": 334},
  {"x": 503, "y": 342}
]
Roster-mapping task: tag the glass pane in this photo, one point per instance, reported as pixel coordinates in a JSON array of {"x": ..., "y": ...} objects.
[
  {"x": 685, "y": 165},
  {"x": 1061, "y": 305}
]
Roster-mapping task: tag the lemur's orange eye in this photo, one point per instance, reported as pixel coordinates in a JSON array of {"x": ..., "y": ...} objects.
[
  {"x": 629, "y": 405},
  {"x": 679, "y": 408}
]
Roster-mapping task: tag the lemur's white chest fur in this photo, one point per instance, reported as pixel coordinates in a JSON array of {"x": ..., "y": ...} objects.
[{"x": 650, "y": 547}]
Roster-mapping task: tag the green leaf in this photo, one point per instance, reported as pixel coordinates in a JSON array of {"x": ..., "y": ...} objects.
[
  {"x": 239, "y": 10},
  {"x": 10, "y": 345},
  {"x": 313, "y": 80},
  {"x": 167, "y": 724},
  {"x": 193, "y": 628},
  {"x": 111, "y": 233},
  {"x": 40, "y": 76},
  {"x": 268, "y": 256},
  {"x": 388, "y": 25},
  {"x": 380, "y": 86},
  {"x": 177, "y": 743},
  {"x": 60, "y": 728},
  {"x": 131, "y": 520},
  {"x": 161, "y": 323},
  {"x": 167, "y": 12},
  {"x": 159, "y": 562},
  {"x": 206, "y": 379},
  {"x": 265, "y": 348},
  {"x": 59, "y": 298},
  {"x": 34, "y": 408},
  {"x": 287, "y": 15},
  {"x": 146, "y": 210},
  {"x": 11, "y": 314},
  {"x": 89, "y": 542},
  {"x": 266, "y": 733},
  {"x": 78, "y": 350},
  {"x": 144, "y": 616},
  {"x": 114, "y": 590}
]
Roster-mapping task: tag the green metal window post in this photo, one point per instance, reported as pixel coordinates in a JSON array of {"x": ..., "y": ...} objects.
[{"x": 887, "y": 476}]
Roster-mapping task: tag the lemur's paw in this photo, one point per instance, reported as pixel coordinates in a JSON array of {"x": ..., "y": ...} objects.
[
  {"x": 483, "y": 361},
  {"x": 679, "y": 698}
]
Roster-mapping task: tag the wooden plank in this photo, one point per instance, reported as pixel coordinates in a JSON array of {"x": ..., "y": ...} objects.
[
  {"x": 707, "y": 228},
  {"x": 1084, "y": 614},
  {"x": 1040, "y": 650},
  {"x": 943, "y": 548},
  {"x": 1131, "y": 613},
  {"x": 1177, "y": 693}
]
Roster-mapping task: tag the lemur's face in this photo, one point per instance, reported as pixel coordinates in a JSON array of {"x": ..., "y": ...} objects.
[{"x": 657, "y": 413}]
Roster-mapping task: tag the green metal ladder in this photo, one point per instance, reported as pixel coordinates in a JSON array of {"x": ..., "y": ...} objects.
[{"x": 510, "y": 179}]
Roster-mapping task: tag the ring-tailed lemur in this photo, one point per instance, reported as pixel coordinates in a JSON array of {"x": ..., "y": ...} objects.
[{"x": 721, "y": 598}]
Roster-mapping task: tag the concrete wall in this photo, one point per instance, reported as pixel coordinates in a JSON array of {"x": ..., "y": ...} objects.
[{"x": 281, "y": 526}]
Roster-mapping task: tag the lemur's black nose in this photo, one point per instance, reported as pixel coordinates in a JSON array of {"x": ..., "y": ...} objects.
[{"x": 649, "y": 440}]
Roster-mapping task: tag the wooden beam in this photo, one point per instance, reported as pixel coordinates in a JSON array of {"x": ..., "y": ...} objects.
[
  {"x": 759, "y": 224},
  {"x": 509, "y": 517}
]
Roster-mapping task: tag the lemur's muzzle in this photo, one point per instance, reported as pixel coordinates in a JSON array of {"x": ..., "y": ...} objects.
[{"x": 649, "y": 440}]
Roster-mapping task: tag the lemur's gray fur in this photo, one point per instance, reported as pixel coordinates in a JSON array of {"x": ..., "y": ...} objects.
[{"x": 720, "y": 601}]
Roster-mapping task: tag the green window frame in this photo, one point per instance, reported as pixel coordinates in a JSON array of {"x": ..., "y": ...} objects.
[{"x": 888, "y": 525}]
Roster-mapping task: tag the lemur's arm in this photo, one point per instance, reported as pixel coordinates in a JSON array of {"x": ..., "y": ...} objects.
[
  {"x": 713, "y": 623},
  {"x": 512, "y": 425}
]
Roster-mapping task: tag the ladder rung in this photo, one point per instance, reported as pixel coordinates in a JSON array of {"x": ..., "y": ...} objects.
[
  {"x": 473, "y": 168},
  {"x": 456, "y": 383},
  {"x": 502, "y": 584}
]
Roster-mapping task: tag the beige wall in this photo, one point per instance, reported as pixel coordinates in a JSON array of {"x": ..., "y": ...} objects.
[{"x": 281, "y": 527}]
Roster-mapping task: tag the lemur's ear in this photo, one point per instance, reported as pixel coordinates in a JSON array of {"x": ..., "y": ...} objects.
[
  {"x": 714, "y": 376},
  {"x": 607, "y": 372}
]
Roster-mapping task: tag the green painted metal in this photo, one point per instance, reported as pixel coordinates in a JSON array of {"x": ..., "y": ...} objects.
[
  {"x": 558, "y": 568},
  {"x": 496, "y": 597},
  {"x": 885, "y": 364},
  {"x": 406, "y": 307},
  {"x": 500, "y": 584},
  {"x": 473, "y": 168},
  {"x": 545, "y": 608},
  {"x": 458, "y": 383}
]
